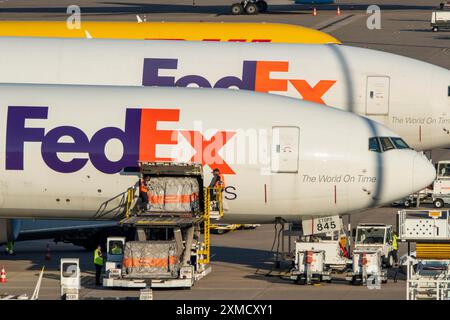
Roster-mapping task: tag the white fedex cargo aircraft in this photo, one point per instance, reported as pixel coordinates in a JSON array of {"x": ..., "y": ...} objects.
[
  {"x": 409, "y": 96},
  {"x": 68, "y": 150}
]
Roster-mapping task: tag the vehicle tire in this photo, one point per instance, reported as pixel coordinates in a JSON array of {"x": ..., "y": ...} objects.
[
  {"x": 390, "y": 261},
  {"x": 435, "y": 29},
  {"x": 438, "y": 203},
  {"x": 407, "y": 204},
  {"x": 251, "y": 9},
  {"x": 301, "y": 281},
  {"x": 262, "y": 6},
  {"x": 236, "y": 9}
]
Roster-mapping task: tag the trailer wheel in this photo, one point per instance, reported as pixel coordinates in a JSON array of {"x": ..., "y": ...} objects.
[
  {"x": 251, "y": 9},
  {"x": 390, "y": 261},
  {"x": 435, "y": 29},
  {"x": 236, "y": 9},
  {"x": 438, "y": 203},
  {"x": 262, "y": 6}
]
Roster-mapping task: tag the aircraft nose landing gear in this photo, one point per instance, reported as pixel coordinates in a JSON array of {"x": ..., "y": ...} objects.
[{"x": 249, "y": 7}]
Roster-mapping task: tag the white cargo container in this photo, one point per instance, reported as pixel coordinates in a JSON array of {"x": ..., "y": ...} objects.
[
  {"x": 440, "y": 20},
  {"x": 367, "y": 267}
]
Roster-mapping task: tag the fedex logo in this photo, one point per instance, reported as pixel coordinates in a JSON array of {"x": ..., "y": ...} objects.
[
  {"x": 255, "y": 76},
  {"x": 139, "y": 139}
]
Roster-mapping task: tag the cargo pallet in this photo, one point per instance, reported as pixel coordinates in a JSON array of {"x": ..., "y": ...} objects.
[{"x": 194, "y": 263}]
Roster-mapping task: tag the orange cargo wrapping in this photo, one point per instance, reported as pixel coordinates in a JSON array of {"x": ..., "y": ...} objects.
[
  {"x": 173, "y": 194},
  {"x": 151, "y": 259},
  {"x": 149, "y": 262}
]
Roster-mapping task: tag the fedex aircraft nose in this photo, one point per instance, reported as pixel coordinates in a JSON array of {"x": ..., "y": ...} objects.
[
  {"x": 401, "y": 170},
  {"x": 423, "y": 174}
]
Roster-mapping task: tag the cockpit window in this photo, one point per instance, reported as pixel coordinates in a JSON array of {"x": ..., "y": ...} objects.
[
  {"x": 386, "y": 144},
  {"x": 374, "y": 145},
  {"x": 400, "y": 143}
]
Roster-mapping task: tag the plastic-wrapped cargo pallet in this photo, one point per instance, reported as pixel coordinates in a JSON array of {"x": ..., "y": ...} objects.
[
  {"x": 151, "y": 259},
  {"x": 173, "y": 194}
]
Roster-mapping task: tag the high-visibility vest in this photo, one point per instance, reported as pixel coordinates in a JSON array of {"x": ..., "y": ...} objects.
[
  {"x": 394, "y": 242},
  {"x": 220, "y": 183},
  {"x": 116, "y": 250},
  {"x": 98, "y": 259}
]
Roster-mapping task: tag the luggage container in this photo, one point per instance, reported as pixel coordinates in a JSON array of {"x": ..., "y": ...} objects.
[
  {"x": 367, "y": 267},
  {"x": 309, "y": 267}
]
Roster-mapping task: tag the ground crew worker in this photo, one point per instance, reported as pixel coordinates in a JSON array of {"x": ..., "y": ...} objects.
[
  {"x": 216, "y": 185},
  {"x": 98, "y": 262},
  {"x": 394, "y": 247},
  {"x": 116, "y": 249},
  {"x": 217, "y": 182},
  {"x": 143, "y": 192}
]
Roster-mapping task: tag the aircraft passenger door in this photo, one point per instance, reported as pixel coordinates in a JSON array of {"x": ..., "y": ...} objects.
[
  {"x": 377, "y": 95},
  {"x": 285, "y": 149}
]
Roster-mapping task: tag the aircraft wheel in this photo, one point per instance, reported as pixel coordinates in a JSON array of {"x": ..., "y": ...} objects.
[
  {"x": 438, "y": 203},
  {"x": 236, "y": 9},
  {"x": 262, "y": 6},
  {"x": 251, "y": 9}
]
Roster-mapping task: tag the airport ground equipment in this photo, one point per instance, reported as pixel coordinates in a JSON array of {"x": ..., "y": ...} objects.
[
  {"x": 424, "y": 226},
  {"x": 445, "y": 5},
  {"x": 440, "y": 20},
  {"x": 334, "y": 256},
  {"x": 367, "y": 267},
  {"x": 428, "y": 279},
  {"x": 416, "y": 199},
  {"x": 248, "y": 7},
  {"x": 164, "y": 247},
  {"x": 428, "y": 268},
  {"x": 375, "y": 236},
  {"x": 441, "y": 185},
  {"x": 309, "y": 267},
  {"x": 220, "y": 228},
  {"x": 70, "y": 278}
]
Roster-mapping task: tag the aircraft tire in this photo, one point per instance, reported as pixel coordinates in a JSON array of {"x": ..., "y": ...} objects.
[
  {"x": 251, "y": 9},
  {"x": 236, "y": 9}
]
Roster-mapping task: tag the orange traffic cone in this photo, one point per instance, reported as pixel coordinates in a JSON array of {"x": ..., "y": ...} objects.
[
  {"x": 338, "y": 11},
  {"x": 48, "y": 255},
  {"x": 314, "y": 11},
  {"x": 3, "y": 276}
]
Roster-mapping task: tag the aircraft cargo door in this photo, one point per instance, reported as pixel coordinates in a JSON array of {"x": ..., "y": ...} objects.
[
  {"x": 377, "y": 95},
  {"x": 285, "y": 149}
]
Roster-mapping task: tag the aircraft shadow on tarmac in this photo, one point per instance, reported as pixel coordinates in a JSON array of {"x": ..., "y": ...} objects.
[
  {"x": 253, "y": 258},
  {"x": 263, "y": 263},
  {"x": 119, "y": 8}
]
